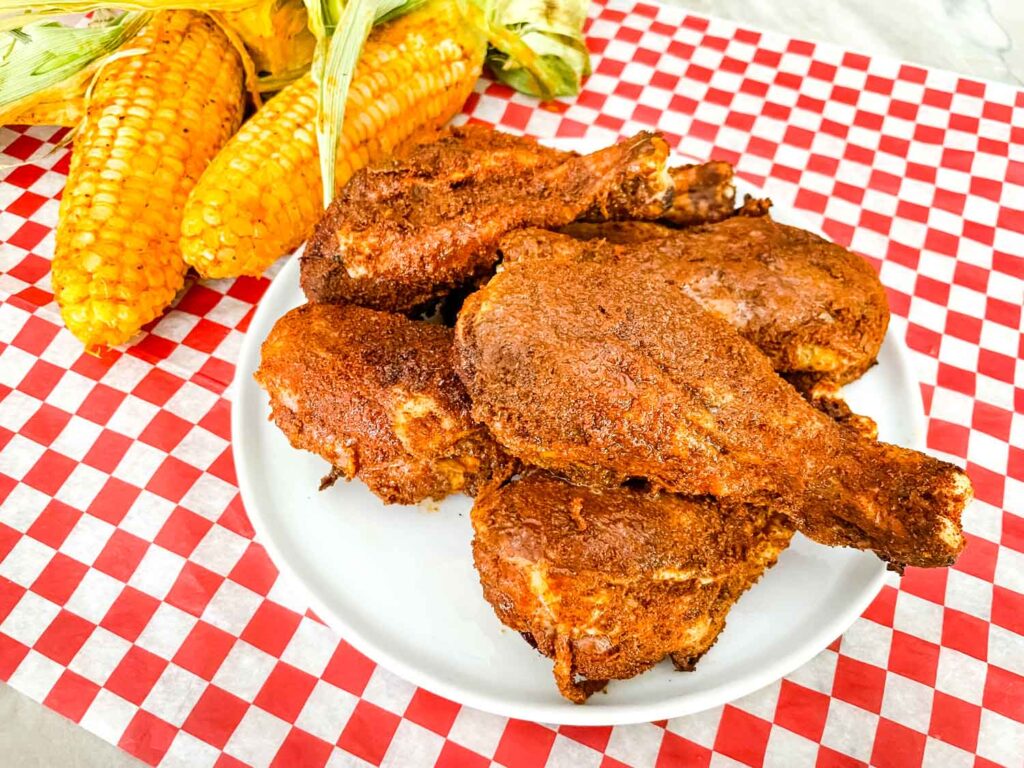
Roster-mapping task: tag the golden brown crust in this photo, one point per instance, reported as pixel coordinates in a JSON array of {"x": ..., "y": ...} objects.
[
  {"x": 604, "y": 371},
  {"x": 405, "y": 233},
  {"x": 610, "y": 582},
  {"x": 375, "y": 395},
  {"x": 810, "y": 305}
]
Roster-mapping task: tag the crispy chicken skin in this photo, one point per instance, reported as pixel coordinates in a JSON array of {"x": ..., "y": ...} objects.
[
  {"x": 609, "y": 582},
  {"x": 376, "y": 396},
  {"x": 605, "y": 371},
  {"x": 403, "y": 234},
  {"x": 811, "y": 306}
]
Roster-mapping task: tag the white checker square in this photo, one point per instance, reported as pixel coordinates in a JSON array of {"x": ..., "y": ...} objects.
[
  {"x": 209, "y": 496},
  {"x": 139, "y": 463},
  {"x": 918, "y": 617},
  {"x": 174, "y": 695},
  {"x": 311, "y": 647},
  {"x": 157, "y": 572},
  {"x": 147, "y": 515},
  {"x": 326, "y": 711},
  {"x": 786, "y": 749},
  {"x": 231, "y": 607},
  {"x": 414, "y": 745},
  {"x": 25, "y": 561},
  {"x": 81, "y": 487},
  {"x": 166, "y": 631},
  {"x": 819, "y": 673},
  {"x": 1000, "y": 739},
  {"x": 16, "y": 409},
  {"x": 960, "y": 675},
  {"x": 108, "y": 716},
  {"x": 126, "y": 372},
  {"x": 567, "y": 753},
  {"x": 907, "y": 702},
  {"x": 1006, "y": 649},
  {"x": 94, "y": 595},
  {"x": 968, "y": 594},
  {"x": 762, "y": 702},
  {"x": 132, "y": 415},
  {"x": 22, "y": 507},
  {"x": 186, "y": 751},
  {"x": 36, "y": 676},
  {"x": 200, "y": 448},
  {"x": 77, "y": 438},
  {"x": 257, "y": 738},
  {"x": 219, "y": 550},
  {"x": 635, "y": 744},
  {"x": 389, "y": 691},
  {"x": 244, "y": 670},
  {"x": 477, "y": 731},
  {"x": 19, "y": 456},
  {"x": 99, "y": 655},
  {"x": 29, "y": 619},
  {"x": 14, "y": 364},
  {"x": 850, "y": 730},
  {"x": 939, "y": 754},
  {"x": 868, "y": 642},
  {"x": 700, "y": 727}
]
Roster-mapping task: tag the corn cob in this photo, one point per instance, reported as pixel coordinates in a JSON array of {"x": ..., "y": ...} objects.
[
  {"x": 154, "y": 121},
  {"x": 262, "y": 195}
]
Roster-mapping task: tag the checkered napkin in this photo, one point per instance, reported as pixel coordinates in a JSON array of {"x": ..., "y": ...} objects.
[{"x": 134, "y": 600}]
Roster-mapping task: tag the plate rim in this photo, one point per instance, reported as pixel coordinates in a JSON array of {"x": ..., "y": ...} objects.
[{"x": 243, "y": 390}]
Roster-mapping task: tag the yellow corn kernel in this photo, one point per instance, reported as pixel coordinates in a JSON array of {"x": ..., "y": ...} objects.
[
  {"x": 261, "y": 196},
  {"x": 154, "y": 122}
]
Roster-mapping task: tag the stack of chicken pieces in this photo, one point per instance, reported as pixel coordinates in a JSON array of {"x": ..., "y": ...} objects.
[{"x": 640, "y": 387}]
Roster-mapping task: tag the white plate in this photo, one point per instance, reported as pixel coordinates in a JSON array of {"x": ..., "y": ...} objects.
[{"x": 398, "y": 582}]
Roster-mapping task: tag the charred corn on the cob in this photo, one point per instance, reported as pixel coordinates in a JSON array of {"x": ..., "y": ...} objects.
[
  {"x": 262, "y": 195},
  {"x": 154, "y": 121}
]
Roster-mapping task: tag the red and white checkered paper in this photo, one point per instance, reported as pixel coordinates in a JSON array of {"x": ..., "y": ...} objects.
[{"x": 134, "y": 601}]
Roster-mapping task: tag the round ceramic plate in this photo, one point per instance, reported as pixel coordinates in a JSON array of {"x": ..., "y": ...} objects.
[{"x": 398, "y": 583}]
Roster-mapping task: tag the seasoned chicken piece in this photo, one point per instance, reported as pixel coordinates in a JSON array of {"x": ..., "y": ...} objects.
[
  {"x": 813, "y": 307},
  {"x": 375, "y": 395},
  {"x": 605, "y": 371},
  {"x": 609, "y": 582},
  {"x": 408, "y": 232}
]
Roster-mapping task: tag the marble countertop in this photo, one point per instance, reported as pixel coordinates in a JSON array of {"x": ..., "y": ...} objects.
[{"x": 984, "y": 38}]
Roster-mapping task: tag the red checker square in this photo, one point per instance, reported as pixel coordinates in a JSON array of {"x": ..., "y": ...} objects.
[
  {"x": 8, "y": 538},
  {"x": 165, "y": 431},
  {"x": 1011, "y": 219},
  {"x": 44, "y": 426},
  {"x": 24, "y": 176},
  {"x": 1013, "y": 526},
  {"x": 182, "y": 532},
  {"x": 1004, "y": 693},
  {"x": 883, "y": 608},
  {"x": 206, "y": 336},
  {"x": 955, "y": 721},
  {"x": 254, "y": 570},
  {"x": 194, "y": 588},
  {"x": 949, "y": 201},
  {"x": 33, "y": 297},
  {"x": 235, "y": 519},
  {"x": 524, "y": 745},
  {"x": 136, "y": 675},
  {"x": 456, "y": 756},
  {"x": 32, "y": 269},
  {"x": 10, "y": 596},
  {"x": 59, "y": 578},
  {"x": 227, "y": 761},
  {"x": 108, "y": 450},
  {"x": 113, "y": 501},
  {"x": 40, "y": 380},
  {"x": 147, "y": 737},
  {"x": 23, "y": 147},
  {"x": 877, "y": 84},
  {"x": 121, "y": 555},
  {"x": 157, "y": 386},
  {"x": 868, "y": 120},
  {"x": 215, "y": 716},
  {"x": 942, "y": 242},
  {"x": 249, "y": 289},
  {"x": 285, "y": 691},
  {"x": 218, "y": 419},
  {"x": 204, "y": 650},
  {"x": 963, "y": 326},
  {"x": 348, "y": 669},
  {"x": 1002, "y": 113},
  {"x": 96, "y": 366},
  {"x": 927, "y": 583},
  {"x": 152, "y": 348},
  {"x": 914, "y": 658},
  {"x": 432, "y": 712},
  {"x": 992, "y": 420},
  {"x": 101, "y": 402},
  {"x": 822, "y": 71},
  {"x": 271, "y": 627},
  {"x": 829, "y": 758},
  {"x": 64, "y": 637},
  {"x": 989, "y": 486},
  {"x": 28, "y": 235},
  {"x": 173, "y": 479},
  {"x": 49, "y": 472},
  {"x": 369, "y": 731},
  {"x": 130, "y": 613},
  {"x": 859, "y": 683},
  {"x": 12, "y": 653},
  {"x": 596, "y": 737},
  {"x": 801, "y": 710},
  {"x": 36, "y": 334},
  {"x": 301, "y": 748},
  {"x": 956, "y": 379},
  {"x": 1003, "y": 312},
  {"x": 811, "y": 201},
  {"x": 54, "y": 523},
  {"x": 742, "y": 736},
  {"x": 677, "y": 751},
  {"x": 198, "y": 300},
  {"x": 71, "y": 695},
  {"x": 979, "y": 558},
  {"x": 224, "y": 467},
  {"x": 646, "y": 115},
  {"x": 897, "y": 746}
]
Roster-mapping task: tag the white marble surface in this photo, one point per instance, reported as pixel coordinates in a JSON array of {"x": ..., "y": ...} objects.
[{"x": 984, "y": 38}]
